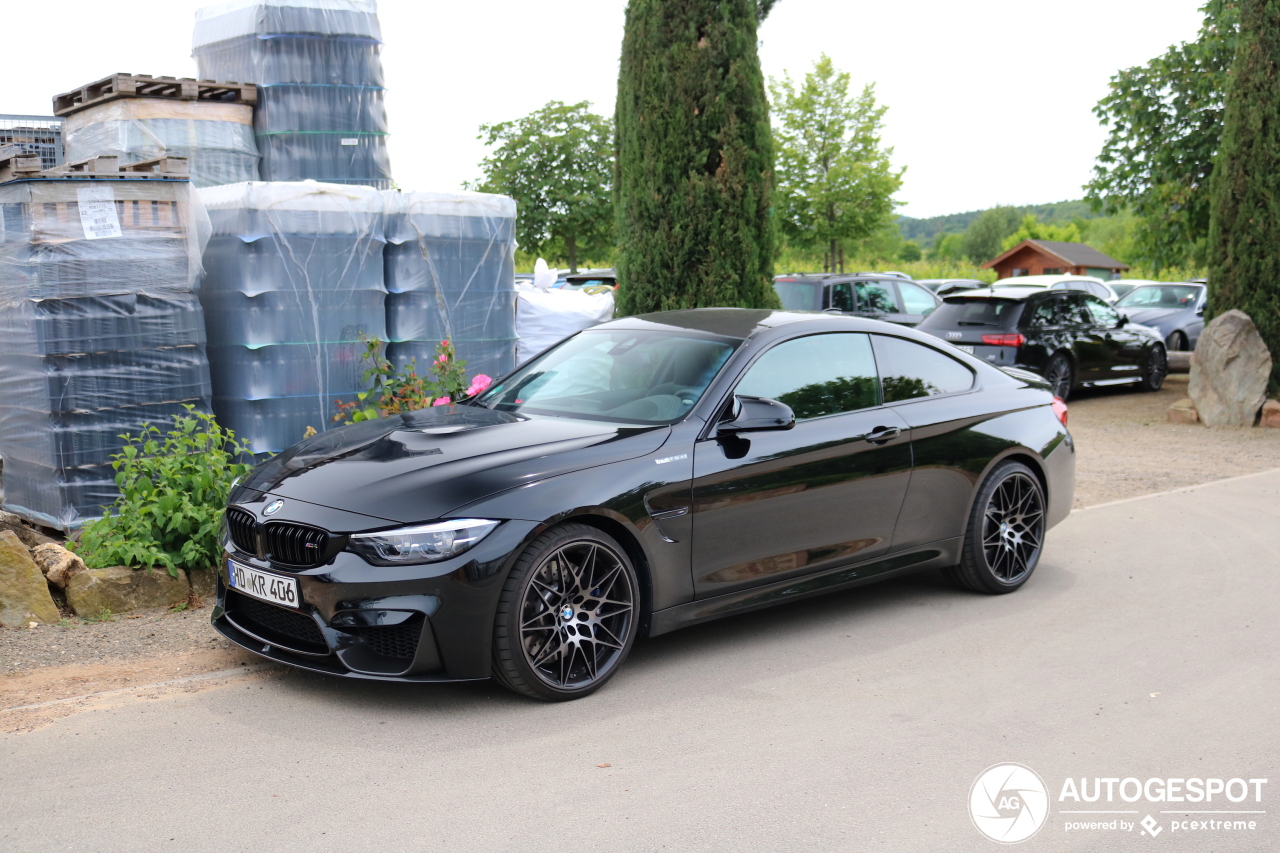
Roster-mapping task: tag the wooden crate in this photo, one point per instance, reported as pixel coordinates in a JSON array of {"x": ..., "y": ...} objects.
[{"x": 141, "y": 86}]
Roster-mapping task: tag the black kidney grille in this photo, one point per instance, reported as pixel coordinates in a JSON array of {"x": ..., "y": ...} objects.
[
  {"x": 287, "y": 628},
  {"x": 295, "y": 544},
  {"x": 243, "y": 529},
  {"x": 392, "y": 641}
]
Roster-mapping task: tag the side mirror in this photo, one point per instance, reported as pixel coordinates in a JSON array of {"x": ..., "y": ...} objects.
[
  {"x": 1123, "y": 321},
  {"x": 756, "y": 414},
  {"x": 1200, "y": 311}
]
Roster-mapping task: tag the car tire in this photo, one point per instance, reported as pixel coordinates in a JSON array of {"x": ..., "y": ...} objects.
[
  {"x": 567, "y": 615},
  {"x": 1155, "y": 367},
  {"x": 1177, "y": 342},
  {"x": 1060, "y": 374},
  {"x": 1005, "y": 536}
]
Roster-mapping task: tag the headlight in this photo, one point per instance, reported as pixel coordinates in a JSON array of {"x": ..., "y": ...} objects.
[{"x": 428, "y": 543}]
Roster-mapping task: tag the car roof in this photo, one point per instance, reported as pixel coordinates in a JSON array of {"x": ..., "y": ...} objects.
[
  {"x": 837, "y": 277},
  {"x": 1013, "y": 294},
  {"x": 1044, "y": 280},
  {"x": 743, "y": 323}
]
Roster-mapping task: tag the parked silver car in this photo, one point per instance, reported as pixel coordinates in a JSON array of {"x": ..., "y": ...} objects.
[{"x": 1174, "y": 310}]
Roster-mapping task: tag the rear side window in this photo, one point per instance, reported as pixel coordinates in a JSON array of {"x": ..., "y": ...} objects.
[
  {"x": 816, "y": 375},
  {"x": 799, "y": 295},
  {"x": 915, "y": 299},
  {"x": 875, "y": 296},
  {"x": 909, "y": 370},
  {"x": 1102, "y": 313},
  {"x": 996, "y": 313},
  {"x": 1045, "y": 313}
]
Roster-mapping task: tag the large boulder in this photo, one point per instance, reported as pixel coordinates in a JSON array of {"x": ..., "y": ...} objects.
[
  {"x": 121, "y": 589},
  {"x": 24, "y": 595},
  {"x": 58, "y": 564},
  {"x": 1229, "y": 372}
]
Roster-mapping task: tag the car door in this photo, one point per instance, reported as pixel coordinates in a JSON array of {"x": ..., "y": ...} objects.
[
  {"x": 1088, "y": 339},
  {"x": 915, "y": 302},
  {"x": 777, "y": 504},
  {"x": 1124, "y": 344},
  {"x": 879, "y": 298}
]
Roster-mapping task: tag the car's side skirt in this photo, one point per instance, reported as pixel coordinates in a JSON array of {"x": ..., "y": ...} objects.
[{"x": 934, "y": 555}]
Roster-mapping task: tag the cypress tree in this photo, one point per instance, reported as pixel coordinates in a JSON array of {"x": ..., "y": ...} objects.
[
  {"x": 695, "y": 158},
  {"x": 1244, "y": 225}
]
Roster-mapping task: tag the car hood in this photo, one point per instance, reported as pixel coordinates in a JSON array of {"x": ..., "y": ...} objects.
[
  {"x": 419, "y": 466},
  {"x": 1152, "y": 315}
]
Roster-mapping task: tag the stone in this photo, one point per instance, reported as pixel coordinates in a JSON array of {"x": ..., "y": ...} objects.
[
  {"x": 15, "y": 525},
  {"x": 121, "y": 589},
  {"x": 1229, "y": 372},
  {"x": 24, "y": 595},
  {"x": 1270, "y": 414},
  {"x": 1183, "y": 412},
  {"x": 58, "y": 564},
  {"x": 204, "y": 583}
]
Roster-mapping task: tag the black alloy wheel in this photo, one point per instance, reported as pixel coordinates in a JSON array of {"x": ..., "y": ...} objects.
[
  {"x": 567, "y": 616},
  {"x": 1154, "y": 368},
  {"x": 1177, "y": 342},
  {"x": 1060, "y": 375},
  {"x": 1006, "y": 532}
]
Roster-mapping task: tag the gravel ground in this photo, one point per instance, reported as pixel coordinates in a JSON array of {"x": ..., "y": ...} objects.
[{"x": 1126, "y": 448}]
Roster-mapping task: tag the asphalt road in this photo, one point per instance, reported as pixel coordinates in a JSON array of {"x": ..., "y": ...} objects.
[{"x": 1145, "y": 646}]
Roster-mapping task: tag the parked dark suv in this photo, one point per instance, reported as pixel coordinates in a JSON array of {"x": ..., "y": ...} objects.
[
  {"x": 877, "y": 296},
  {"x": 1070, "y": 338}
]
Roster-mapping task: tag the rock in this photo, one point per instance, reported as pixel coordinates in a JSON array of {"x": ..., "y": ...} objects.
[
  {"x": 1270, "y": 414},
  {"x": 24, "y": 595},
  {"x": 58, "y": 564},
  {"x": 121, "y": 589},
  {"x": 1183, "y": 412},
  {"x": 1229, "y": 372},
  {"x": 16, "y": 526},
  {"x": 204, "y": 583}
]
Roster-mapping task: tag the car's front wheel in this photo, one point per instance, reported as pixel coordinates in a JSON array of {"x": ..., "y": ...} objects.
[
  {"x": 1006, "y": 532},
  {"x": 567, "y": 615},
  {"x": 1154, "y": 368},
  {"x": 1177, "y": 342}
]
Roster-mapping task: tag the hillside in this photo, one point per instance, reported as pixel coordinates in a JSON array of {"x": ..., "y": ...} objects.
[{"x": 925, "y": 231}]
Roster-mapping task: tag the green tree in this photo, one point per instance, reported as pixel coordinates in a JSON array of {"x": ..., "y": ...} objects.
[
  {"x": 1244, "y": 232},
  {"x": 835, "y": 181},
  {"x": 1165, "y": 121},
  {"x": 910, "y": 252},
  {"x": 985, "y": 236},
  {"x": 557, "y": 163},
  {"x": 1031, "y": 228},
  {"x": 949, "y": 247},
  {"x": 695, "y": 158}
]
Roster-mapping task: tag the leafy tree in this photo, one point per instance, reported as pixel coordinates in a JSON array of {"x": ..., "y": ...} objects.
[
  {"x": 1244, "y": 266},
  {"x": 695, "y": 158},
  {"x": 910, "y": 252},
  {"x": 1032, "y": 228},
  {"x": 1165, "y": 121},
  {"x": 557, "y": 163},
  {"x": 835, "y": 181},
  {"x": 984, "y": 238},
  {"x": 949, "y": 247}
]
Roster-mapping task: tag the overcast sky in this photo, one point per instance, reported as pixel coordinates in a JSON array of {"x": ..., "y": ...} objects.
[{"x": 989, "y": 100}]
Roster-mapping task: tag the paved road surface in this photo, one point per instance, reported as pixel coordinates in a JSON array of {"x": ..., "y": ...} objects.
[{"x": 1145, "y": 646}]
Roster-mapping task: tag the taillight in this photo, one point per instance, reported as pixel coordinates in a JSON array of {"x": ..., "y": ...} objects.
[
  {"x": 1060, "y": 410},
  {"x": 1015, "y": 340}
]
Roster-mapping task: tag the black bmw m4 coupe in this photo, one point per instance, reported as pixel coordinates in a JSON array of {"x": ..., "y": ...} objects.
[{"x": 643, "y": 475}]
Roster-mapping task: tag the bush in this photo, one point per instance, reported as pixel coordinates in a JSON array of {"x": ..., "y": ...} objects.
[
  {"x": 398, "y": 390},
  {"x": 173, "y": 490}
]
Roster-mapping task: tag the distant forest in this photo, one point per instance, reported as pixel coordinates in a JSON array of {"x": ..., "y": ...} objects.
[{"x": 925, "y": 232}]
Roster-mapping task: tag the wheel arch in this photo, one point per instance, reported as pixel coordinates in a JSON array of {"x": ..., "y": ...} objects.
[
  {"x": 606, "y": 523},
  {"x": 1024, "y": 455}
]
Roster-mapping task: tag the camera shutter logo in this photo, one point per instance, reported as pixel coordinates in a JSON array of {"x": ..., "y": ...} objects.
[{"x": 1008, "y": 803}]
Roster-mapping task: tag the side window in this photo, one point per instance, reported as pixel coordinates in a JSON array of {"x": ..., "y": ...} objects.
[
  {"x": 1045, "y": 314},
  {"x": 816, "y": 375},
  {"x": 915, "y": 299},
  {"x": 874, "y": 296},
  {"x": 842, "y": 297},
  {"x": 1074, "y": 311},
  {"x": 909, "y": 370},
  {"x": 1101, "y": 313}
]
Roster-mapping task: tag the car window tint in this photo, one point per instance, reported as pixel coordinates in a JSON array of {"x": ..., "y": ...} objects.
[
  {"x": 909, "y": 370},
  {"x": 842, "y": 297},
  {"x": 874, "y": 296},
  {"x": 915, "y": 299},
  {"x": 1101, "y": 313},
  {"x": 816, "y": 375},
  {"x": 1074, "y": 310},
  {"x": 1045, "y": 314},
  {"x": 799, "y": 295}
]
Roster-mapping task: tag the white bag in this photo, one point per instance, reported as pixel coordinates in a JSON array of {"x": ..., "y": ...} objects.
[{"x": 544, "y": 318}]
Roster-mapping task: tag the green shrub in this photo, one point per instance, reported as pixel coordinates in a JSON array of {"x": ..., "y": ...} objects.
[
  {"x": 173, "y": 489},
  {"x": 395, "y": 390}
]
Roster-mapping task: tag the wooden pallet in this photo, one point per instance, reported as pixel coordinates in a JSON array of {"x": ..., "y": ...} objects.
[
  {"x": 140, "y": 86},
  {"x": 15, "y": 165},
  {"x": 27, "y": 167}
]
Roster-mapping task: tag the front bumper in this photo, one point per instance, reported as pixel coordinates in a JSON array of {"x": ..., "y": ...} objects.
[{"x": 431, "y": 622}]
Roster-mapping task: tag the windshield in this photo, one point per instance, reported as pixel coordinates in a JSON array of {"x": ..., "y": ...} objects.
[
  {"x": 645, "y": 377},
  {"x": 799, "y": 295},
  {"x": 1161, "y": 296}
]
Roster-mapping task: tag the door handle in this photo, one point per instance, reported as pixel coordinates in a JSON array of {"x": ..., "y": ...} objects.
[{"x": 881, "y": 435}]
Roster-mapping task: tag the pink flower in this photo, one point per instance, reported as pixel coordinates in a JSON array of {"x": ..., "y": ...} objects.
[
  {"x": 444, "y": 343},
  {"x": 444, "y": 359},
  {"x": 478, "y": 384},
  {"x": 443, "y": 401}
]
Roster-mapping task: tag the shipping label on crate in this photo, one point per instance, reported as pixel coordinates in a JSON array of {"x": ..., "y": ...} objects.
[{"x": 98, "y": 212}]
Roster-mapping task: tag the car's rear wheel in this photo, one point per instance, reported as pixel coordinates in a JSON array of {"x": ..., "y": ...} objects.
[
  {"x": 567, "y": 615},
  {"x": 1177, "y": 342},
  {"x": 1154, "y": 368},
  {"x": 1006, "y": 532},
  {"x": 1060, "y": 375}
]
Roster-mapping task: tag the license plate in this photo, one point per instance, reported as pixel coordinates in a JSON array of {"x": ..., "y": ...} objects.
[
  {"x": 964, "y": 348},
  {"x": 264, "y": 585}
]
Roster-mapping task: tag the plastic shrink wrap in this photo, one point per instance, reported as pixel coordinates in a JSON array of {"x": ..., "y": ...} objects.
[
  {"x": 450, "y": 264},
  {"x": 294, "y": 278},
  {"x": 318, "y": 67},
  {"x": 101, "y": 332},
  {"x": 216, "y": 139},
  {"x": 546, "y": 317}
]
